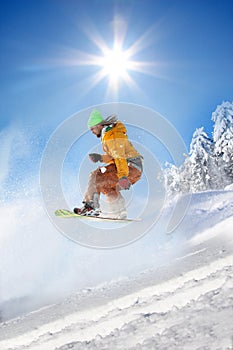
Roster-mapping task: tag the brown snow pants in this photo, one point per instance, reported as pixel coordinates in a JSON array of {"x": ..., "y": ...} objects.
[{"x": 104, "y": 180}]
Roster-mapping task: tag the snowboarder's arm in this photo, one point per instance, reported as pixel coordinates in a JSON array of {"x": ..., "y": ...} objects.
[{"x": 122, "y": 167}]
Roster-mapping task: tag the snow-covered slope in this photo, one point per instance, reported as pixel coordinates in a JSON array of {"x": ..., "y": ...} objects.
[{"x": 186, "y": 302}]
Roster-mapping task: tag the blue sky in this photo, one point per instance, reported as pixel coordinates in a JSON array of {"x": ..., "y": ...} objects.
[{"x": 188, "y": 45}]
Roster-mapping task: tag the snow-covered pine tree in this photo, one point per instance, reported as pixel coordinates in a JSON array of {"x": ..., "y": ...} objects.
[
  {"x": 185, "y": 176},
  {"x": 200, "y": 161},
  {"x": 172, "y": 180},
  {"x": 223, "y": 139},
  {"x": 198, "y": 172}
]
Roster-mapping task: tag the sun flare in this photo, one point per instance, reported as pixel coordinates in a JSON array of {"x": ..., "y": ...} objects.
[{"x": 115, "y": 63}]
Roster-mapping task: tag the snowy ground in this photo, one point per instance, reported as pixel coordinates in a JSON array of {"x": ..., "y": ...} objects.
[{"x": 184, "y": 303}]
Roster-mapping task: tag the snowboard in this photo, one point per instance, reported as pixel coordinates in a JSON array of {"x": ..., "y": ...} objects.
[{"x": 64, "y": 213}]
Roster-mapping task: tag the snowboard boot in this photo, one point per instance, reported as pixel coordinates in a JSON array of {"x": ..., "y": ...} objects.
[
  {"x": 90, "y": 208},
  {"x": 117, "y": 209}
]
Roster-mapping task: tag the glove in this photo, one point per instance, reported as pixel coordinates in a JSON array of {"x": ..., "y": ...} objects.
[
  {"x": 95, "y": 157},
  {"x": 124, "y": 183}
]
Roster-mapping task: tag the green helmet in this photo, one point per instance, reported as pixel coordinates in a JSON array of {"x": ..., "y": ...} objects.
[{"x": 95, "y": 118}]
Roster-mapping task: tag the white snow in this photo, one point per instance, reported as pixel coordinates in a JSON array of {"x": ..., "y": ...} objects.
[
  {"x": 229, "y": 187},
  {"x": 183, "y": 301}
]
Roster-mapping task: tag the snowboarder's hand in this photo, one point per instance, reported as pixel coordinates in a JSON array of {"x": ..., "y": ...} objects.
[
  {"x": 95, "y": 157},
  {"x": 124, "y": 183}
]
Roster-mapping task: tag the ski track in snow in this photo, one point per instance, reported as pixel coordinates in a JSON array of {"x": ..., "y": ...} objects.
[{"x": 187, "y": 304}]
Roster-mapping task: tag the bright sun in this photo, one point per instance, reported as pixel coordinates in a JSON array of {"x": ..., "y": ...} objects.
[{"x": 115, "y": 65}]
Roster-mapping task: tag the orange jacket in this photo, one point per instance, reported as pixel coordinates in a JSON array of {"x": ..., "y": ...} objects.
[{"x": 118, "y": 148}]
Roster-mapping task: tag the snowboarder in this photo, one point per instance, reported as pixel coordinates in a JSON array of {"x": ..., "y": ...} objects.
[{"x": 122, "y": 167}]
